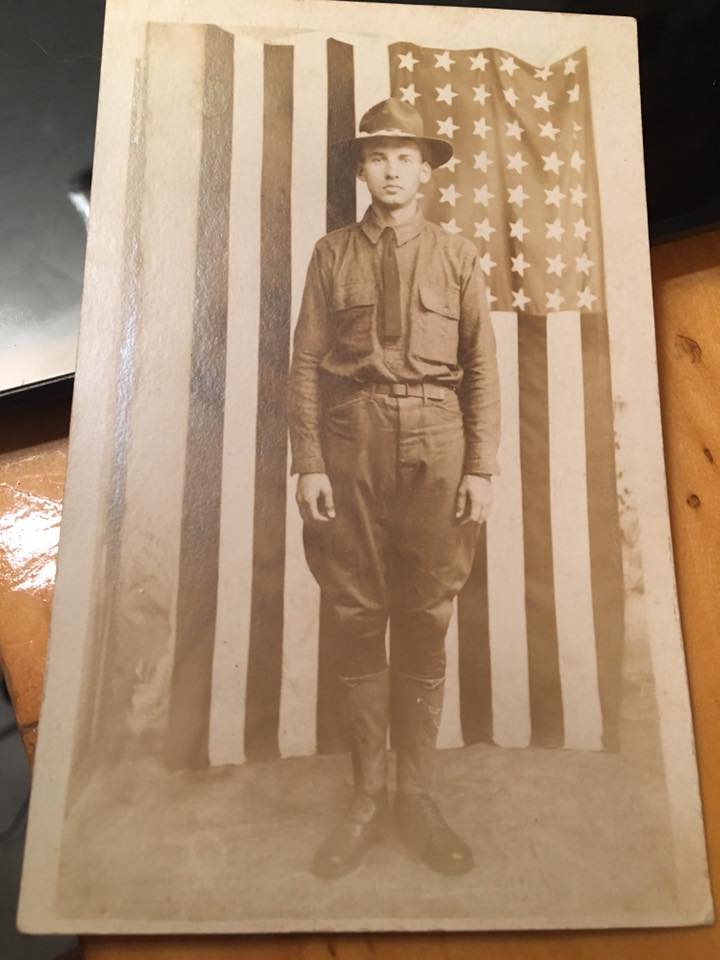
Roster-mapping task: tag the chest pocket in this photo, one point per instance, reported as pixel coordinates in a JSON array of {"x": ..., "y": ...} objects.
[
  {"x": 353, "y": 309},
  {"x": 437, "y": 323}
]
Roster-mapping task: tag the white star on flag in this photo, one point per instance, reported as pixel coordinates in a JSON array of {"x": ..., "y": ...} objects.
[
  {"x": 517, "y": 195},
  {"x": 548, "y": 130},
  {"x": 554, "y": 196},
  {"x": 490, "y": 297},
  {"x": 409, "y": 94},
  {"x": 451, "y": 164},
  {"x": 481, "y": 94},
  {"x": 481, "y": 127},
  {"x": 519, "y": 264},
  {"x": 449, "y": 195},
  {"x": 543, "y": 74},
  {"x": 513, "y": 129},
  {"x": 552, "y": 162},
  {"x": 445, "y": 94},
  {"x": 516, "y": 162},
  {"x": 483, "y": 229},
  {"x": 450, "y": 226},
  {"x": 577, "y": 195},
  {"x": 479, "y": 62},
  {"x": 554, "y": 300},
  {"x": 508, "y": 65},
  {"x": 582, "y": 264},
  {"x": 576, "y": 130},
  {"x": 555, "y": 265},
  {"x": 486, "y": 263},
  {"x": 542, "y": 102},
  {"x": 519, "y": 299},
  {"x": 586, "y": 298},
  {"x": 482, "y": 195},
  {"x": 555, "y": 230},
  {"x": 482, "y": 161},
  {"x": 574, "y": 94},
  {"x": 510, "y": 96},
  {"x": 447, "y": 127},
  {"x": 581, "y": 229},
  {"x": 576, "y": 161},
  {"x": 407, "y": 61},
  {"x": 444, "y": 61},
  {"x": 570, "y": 65},
  {"x": 518, "y": 229}
]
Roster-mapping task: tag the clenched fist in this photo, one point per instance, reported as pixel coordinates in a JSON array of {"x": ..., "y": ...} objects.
[
  {"x": 314, "y": 497},
  {"x": 474, "y": 499}
]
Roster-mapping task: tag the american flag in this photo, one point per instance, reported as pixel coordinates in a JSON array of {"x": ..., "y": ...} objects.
[
  {"x": 209, "y": 640},
  {"x": 522, "y": 181}
]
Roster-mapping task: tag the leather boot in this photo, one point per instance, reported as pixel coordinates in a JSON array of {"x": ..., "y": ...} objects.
[
  {"x": 417, "y": 708},
  {"x": 367, "y": 706}
]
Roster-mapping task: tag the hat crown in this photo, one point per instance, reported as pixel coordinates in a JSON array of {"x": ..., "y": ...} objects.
[{"x": 392, "y": 116}]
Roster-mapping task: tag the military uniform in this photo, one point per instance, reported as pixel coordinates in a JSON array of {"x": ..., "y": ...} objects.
[{"x": 394, "y": 395}]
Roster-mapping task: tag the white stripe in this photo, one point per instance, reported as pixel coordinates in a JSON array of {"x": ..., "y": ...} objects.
[
  {"x": 298, "y": 692},
  {"x": 506, "y": 558},
  {"x": 232, "y": 636},
  {"x": 570, "y": 533},
  {"x": 372, "y": 84},
  {"x": 149, "y": 562},
  {"x": 450, "y": 734}
]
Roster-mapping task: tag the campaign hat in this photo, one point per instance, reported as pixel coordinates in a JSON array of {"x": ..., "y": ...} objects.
[{"x": 399, "y": 120}]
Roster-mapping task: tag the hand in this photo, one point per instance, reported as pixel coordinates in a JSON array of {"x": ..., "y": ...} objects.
[
  {"x": 474, "y": 499},
  {"x": 314, "y": 497}
]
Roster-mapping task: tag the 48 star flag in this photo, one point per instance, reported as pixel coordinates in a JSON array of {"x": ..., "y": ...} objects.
[{"x": 232, "y": 662}]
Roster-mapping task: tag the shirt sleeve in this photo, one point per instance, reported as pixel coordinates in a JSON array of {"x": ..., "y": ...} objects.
[
  {"x": 311, "y": 342},
  {"x": 480, "y": 389}
]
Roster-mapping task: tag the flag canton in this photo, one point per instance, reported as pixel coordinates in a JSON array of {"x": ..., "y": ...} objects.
[{"x": 522, "y": 181}]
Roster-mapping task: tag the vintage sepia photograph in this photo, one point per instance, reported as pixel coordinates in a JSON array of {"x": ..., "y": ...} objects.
[{"x": 365, "y": 614}]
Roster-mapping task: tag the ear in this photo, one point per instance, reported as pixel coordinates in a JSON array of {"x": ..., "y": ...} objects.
[
  {"x": 425, "y": 172},
  {"x": 360, "y": 171}
]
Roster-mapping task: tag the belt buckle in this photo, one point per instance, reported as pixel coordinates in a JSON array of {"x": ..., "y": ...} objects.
[{"x": 399, "y": 390}]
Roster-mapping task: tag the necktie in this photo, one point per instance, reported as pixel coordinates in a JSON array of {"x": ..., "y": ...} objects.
[{"x": 390, "y": 294}]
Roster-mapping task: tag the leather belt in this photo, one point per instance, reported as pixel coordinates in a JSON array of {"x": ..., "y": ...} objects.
[{"x": 433, "y": 391}]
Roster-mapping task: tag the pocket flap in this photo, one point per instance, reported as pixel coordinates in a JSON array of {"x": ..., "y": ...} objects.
[
  {"x": 354, "y": 293},
  {"x": 440, "y": 300}
]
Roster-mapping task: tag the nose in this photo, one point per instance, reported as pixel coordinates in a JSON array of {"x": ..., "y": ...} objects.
[{"x": 391, "y": 170}]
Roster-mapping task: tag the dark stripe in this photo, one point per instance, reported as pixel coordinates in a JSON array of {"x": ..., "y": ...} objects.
[
  {"x": 340, "y": 125},
  {"x": 546, "y": 712},
  {"x": 330, "y": 726},
  {"x": 97, "y": 722},
  {"x": 262, "y": 707},
  {"x": 474, "y": 651},
  {"x": 188, "y": 727},
  {"x": 608, "y": 590}
]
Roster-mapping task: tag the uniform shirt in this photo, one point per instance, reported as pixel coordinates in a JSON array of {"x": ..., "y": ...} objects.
[{"x": 446, "y": 333}]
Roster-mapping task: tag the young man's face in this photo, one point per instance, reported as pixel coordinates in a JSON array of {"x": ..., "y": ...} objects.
[{"x": 393, "y": 170}]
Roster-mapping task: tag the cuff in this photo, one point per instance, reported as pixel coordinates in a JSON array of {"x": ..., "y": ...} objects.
[{"x": 308, "y": 465}]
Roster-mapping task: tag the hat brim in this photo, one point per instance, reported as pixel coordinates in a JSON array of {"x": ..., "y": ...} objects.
[{"x": 437, "y": 151}]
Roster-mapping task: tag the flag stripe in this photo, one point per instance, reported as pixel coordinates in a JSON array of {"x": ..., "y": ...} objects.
[
  {"x": 227, "y": 717},
  {"x": 571, "y": 547},
  {"x": 545, "y": 695},
  {"x": 340, "y": 126},
  {"x": 299, "y": 686},
  {"x": 198, "y": 565},
  {"x": 450, "y": 733},
  {"x": 372, "y": 84},
  {"x": 340, "y": 211},
  {"x": 474, "y": 652},
  {"x": 604, "y": 521},
  {"x": 267, "y": 611},
  {"x": 505, "y": 563}
]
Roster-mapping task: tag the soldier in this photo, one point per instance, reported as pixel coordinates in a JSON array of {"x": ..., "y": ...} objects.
[{"x": 394, "y": 423}]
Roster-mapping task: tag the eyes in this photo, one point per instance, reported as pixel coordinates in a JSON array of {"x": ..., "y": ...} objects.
[{"x": 404, "y": 158}]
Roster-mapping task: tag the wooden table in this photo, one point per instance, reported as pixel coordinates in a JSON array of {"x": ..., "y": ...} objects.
[{"x": 686, "y": 281}]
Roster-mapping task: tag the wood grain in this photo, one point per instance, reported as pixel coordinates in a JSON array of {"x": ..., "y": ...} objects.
[{"x": 686, "y": 281}]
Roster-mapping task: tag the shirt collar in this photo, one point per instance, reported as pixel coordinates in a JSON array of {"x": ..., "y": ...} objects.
[{"x": 372, "y": 228}]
